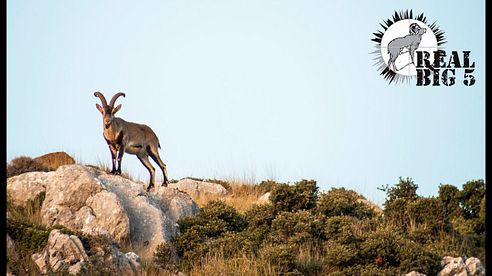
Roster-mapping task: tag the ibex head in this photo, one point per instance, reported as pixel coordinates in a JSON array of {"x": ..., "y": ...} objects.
[{"x": 106, "y": 110}]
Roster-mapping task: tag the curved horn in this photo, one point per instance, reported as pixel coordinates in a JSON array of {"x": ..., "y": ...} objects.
[
  {"x": 111, "y": 103},
  {"x": 101, "y": 96}
]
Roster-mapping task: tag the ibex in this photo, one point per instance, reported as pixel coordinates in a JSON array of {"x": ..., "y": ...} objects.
[
  {"x": 411, "y": 41},
  {"x": 132, "y": 138}
]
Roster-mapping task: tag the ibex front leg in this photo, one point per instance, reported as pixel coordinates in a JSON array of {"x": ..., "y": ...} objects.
[
  {"x": 113, "y": 158},
  {"x": 120, "y": 157}
]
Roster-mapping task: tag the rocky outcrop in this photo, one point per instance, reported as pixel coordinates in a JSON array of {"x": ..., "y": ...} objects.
[
  {"x": 63, "y": 252},
  {"x": 96, "y": 203},
  {"x": 452, "y": 266},
  {"x": 66, "y": 253},
  {"x": 27, "y": 187},
  {"x": 54, "y": 160},
  {"x": 197, "y": 188}
]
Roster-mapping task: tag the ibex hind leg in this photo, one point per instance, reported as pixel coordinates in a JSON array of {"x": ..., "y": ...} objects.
[
  {"x": 144, "y": 158},
  {"x": 154, "y": 153}
]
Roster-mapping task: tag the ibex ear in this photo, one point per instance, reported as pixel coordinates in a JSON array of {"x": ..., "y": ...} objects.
[
  {"x": 116, "y": 108},
  {"x": 99, "y": 108}
]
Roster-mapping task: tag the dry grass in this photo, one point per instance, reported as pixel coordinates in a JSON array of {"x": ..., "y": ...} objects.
[
  {"x": 217, "y": 264},
  {"x": 107, "y": 168},
  {"x": 242, "y": 196}
]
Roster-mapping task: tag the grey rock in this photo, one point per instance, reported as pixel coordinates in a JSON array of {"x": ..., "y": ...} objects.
[
  {"x": 474, "y": 267},
  {"x": 89, "y": 200},
  {"x": 452, "y": 266},
  {"x": 62, "y": 252},
  {"x": 264, "y": 199},
  {"x": 197, "y": 188}
]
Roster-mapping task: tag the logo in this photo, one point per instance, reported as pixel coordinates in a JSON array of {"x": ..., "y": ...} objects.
[{"x": 408, "y": 49}]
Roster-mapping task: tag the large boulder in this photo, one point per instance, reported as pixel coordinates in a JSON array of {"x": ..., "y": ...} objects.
[
  {"x": 27, "y": 187},
  {"x": 89, "y": 200},
  {"x": 196, "y": 188}
]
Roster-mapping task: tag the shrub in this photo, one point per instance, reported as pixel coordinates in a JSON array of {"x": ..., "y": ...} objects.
[
  {"x": 260, "y": 215},
  {"x": 429, "y": 213},
  {"x": 471, "y": 196},
  {"x": 267, "y": 186},
  {"x": 340, "y": 202},
  {"x": 28, "y": 237},
  {"x": 281, "y": 257},
  {"x": 449, "y": 195},
  {"x": 24, "y": 164},
  {"x": 382, "y": 247},
  {"x": 254, "y": 237},
  {"x": 301, "y": 196},
  {"x": 166, "y": 257},
  {"x": 198, "y": 232},
  {"x": 341, "y": 229},
  {"x": 339, "y": 255},
  {"x": 299, "y": 227},
  {"x": 397, "y": 199},
  {"x": 405, "y": 189},
  {"x": 215, "y": 218},
  {"x": 415, "y": 257}
]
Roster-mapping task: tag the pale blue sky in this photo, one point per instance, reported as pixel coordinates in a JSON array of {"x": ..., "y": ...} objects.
[{"x": 246, "y": 89}]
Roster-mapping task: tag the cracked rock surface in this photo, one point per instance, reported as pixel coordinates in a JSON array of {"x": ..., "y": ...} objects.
[{"x": 89, "y": 200}]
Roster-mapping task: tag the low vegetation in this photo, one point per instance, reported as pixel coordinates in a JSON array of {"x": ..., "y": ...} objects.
[
  {"x": 304, "y": 232},
  {"x": 301, "y": 231}
]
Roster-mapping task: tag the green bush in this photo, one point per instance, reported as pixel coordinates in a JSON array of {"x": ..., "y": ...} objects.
[
  {"x": 215, "y": 218},
  {"x": 28, "y": 237},
  {"x": 290, "y": 198},
  {"x": 267, "y": 185},
  {"x": 397, "y": 199},
  {"x": 382, "y": 247},
  {"x": 429, "y": 213},
  {"x": 471, "y": 197},
  {"x": 341, "y": 229},
  {"x": 299, "y": 227},
  {"x": 24, "y": 164},
  {"x": 165, "y": 257},
  {"x": 281, "y": 257},
  {"x": 340, "y": 255},
  {"x": 342, "y": 202},
  {"x": 449, "y": 195},
  {"x": 415, "y": 257},
  {"x": 260, "y": 215}
]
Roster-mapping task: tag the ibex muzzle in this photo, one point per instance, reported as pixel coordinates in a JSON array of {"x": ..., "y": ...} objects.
[{"x": 132, "y": 138}]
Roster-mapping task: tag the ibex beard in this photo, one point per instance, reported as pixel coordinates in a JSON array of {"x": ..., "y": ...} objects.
[{"x": 132, "y": 138}]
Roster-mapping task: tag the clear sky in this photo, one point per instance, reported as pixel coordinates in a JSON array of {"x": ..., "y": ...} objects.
[{"x": 246, "y": 89}]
